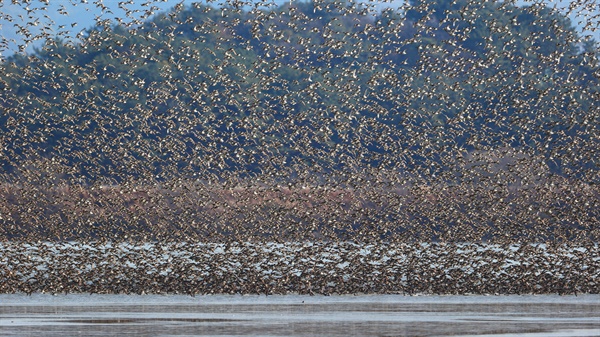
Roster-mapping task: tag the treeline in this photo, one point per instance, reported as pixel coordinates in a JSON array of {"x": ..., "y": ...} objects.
[
  {"x": 325, "y": 86},
  {"x": 463, "y": 120}
]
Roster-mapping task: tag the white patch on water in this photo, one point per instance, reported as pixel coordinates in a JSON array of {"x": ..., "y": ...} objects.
[{"x": 37, "y": 299}]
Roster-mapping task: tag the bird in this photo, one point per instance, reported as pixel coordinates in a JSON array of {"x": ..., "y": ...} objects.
[{"x": 306, "y": 147}]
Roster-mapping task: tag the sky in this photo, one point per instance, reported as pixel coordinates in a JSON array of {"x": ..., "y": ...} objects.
[{"x": 67, "y": 18}]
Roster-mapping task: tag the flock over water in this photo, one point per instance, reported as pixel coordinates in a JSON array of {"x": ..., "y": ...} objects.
[
  {"x": 322, "y": 268},
  {"x": 300, "y": 147}
]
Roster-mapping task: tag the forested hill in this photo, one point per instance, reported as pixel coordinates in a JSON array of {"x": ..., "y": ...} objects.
[{"x": 324, "y": 86}]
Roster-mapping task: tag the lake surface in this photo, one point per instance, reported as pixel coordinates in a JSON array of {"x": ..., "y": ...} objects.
[{"x": 298, "y": 315}]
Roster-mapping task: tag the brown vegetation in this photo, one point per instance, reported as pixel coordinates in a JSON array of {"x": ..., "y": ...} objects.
[{"x": 554, "y": 210}]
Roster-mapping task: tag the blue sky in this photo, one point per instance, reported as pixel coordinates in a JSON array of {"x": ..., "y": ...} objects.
[{"x": 70, "y": 17}]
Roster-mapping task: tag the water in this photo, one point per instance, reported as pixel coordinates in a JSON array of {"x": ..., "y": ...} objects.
[{"x": 298, "y": 315}]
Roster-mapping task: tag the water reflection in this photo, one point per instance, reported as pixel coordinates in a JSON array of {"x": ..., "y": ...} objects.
[{"x": 101, "y": 315}]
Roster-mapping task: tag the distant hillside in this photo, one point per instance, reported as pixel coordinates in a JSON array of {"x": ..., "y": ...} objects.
[
  {"x": 450, "y": 121},
  {"x": 315, "y": 86}
]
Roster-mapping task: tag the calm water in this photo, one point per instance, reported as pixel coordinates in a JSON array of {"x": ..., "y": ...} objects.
[{"x": 291, "y": 315}]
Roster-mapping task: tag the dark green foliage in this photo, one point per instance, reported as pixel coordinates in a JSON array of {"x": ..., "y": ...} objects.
[{"x": 323, "y": 86}]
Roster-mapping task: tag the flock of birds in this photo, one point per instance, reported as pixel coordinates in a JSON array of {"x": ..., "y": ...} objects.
[
  {"x": 323, "y": 268},
  {"x": 408, "y": 156}
]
